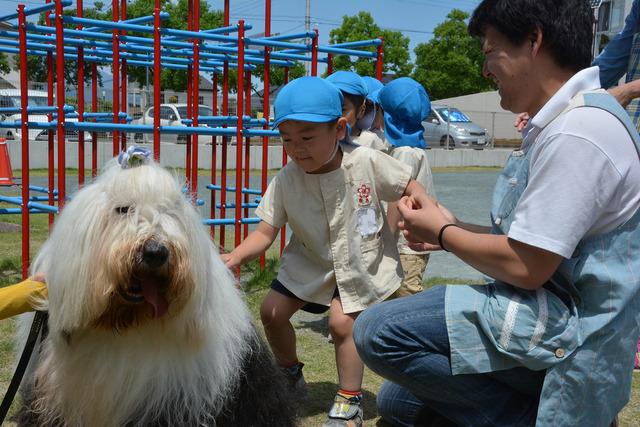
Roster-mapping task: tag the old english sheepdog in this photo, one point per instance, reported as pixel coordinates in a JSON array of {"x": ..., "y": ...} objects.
[{"x": 146, "y": 326}]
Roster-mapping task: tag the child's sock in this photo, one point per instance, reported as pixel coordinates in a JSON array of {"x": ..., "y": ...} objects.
[{"x": 352, "y": 396}]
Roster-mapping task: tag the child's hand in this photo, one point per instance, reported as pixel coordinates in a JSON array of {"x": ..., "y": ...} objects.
[
  {"x": 38, "y": 277},
  {"x": 422, "y": 219},
  {"x": 229, "y": 261}
]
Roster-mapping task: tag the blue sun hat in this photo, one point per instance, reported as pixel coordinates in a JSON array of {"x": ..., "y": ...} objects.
[
  {"x": 308, "y": 99},
  {"x": 348, "y": 82},
  {"x": 405, "y": 104},
  {"x": 373, "y": 88}
]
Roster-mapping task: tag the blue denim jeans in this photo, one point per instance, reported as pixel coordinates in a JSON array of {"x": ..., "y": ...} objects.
[{"x": 405, "y": 341}]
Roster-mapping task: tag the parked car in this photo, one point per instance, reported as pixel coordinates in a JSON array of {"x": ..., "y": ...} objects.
[
  {"x": 170, "y": 115},
  {"x": 461, "y": 130},
  {"x": 36, "y": 98}
]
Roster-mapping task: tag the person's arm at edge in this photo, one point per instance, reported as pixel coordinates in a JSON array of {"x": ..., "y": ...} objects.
[
  {"x": 253, "y": 246},
  {"x": 614, "y": 59},
  {"x": 20, "y": 298}
]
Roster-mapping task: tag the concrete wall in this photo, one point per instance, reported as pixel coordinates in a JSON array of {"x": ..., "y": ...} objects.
[{"x": 173, "y": 155}]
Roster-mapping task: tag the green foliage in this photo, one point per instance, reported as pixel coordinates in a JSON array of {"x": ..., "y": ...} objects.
[
  {"x": 450, "y": 64},
  {"x": 363, "y": 27},
  {"x": 5, "y": 67},
  {"x": 260, "y": 278}
]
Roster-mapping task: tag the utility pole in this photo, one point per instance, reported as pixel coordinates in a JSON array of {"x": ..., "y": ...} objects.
[{"x": 307, "y": 28}]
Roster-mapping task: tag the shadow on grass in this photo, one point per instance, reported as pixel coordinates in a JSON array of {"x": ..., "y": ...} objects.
[{"x": 320, "y": 326}]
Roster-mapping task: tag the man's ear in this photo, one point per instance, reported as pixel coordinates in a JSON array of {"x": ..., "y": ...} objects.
[
  {"x": 341, "y": 128},
  {"x": 535, "y": 38}
]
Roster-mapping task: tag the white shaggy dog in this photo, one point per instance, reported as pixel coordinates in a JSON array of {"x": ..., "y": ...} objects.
[{"x": 146, "y": 327}]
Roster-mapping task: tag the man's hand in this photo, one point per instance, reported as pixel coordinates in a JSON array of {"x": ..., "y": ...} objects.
[
  {"x": 621, "y": 94},
  {"x": 422, "y": 219},
  {"x": 521, "y": 122}
]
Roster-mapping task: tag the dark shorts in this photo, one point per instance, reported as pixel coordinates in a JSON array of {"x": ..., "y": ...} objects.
[{"x": 309, "y": 307}]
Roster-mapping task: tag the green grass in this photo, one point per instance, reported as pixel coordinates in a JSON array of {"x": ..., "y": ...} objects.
[{"x": 313, "y": 348}]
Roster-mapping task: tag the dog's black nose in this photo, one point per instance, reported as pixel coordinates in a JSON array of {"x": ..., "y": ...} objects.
[{"x": 154, "y": 253}]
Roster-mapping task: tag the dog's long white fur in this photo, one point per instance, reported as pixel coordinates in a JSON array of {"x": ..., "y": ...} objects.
[{"x": 187, "y": 359}]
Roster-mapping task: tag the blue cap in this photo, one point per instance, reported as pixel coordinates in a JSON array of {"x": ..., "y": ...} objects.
[
  {"x": 348, "y": 82},
  {"x": 308, "y": 99},
  {"x": 373, "y": 86},
  {"x": 405, "y": 104}
]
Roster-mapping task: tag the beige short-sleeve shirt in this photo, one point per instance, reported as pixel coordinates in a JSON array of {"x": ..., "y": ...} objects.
[{"x": 340, "y": 235}]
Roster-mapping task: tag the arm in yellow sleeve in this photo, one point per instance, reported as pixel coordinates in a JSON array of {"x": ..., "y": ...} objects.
[{"x": 17, "y": 299}]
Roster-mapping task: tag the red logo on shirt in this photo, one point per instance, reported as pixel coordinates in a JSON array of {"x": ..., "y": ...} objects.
[{"x": 364, "y": 194}]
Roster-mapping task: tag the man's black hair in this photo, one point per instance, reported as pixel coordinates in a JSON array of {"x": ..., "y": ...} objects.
[{"x": 566, "y": 26}]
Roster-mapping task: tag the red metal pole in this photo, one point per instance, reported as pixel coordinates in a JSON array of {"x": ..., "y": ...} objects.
[
  {"x": 239, "y": 113},
  {"x": 50, "y": 148},
  {"x": 123, "y": 77},
  {"x": 247, "y": 152},
  {"x": 379, "y": 60},
  {"x": 329, "y": 64},
  {"x": 60, "y": 99},
  {"x": 188, "y": 156},
  {"x": 24, "y": 99},
  {"x": 94, "y": 108},
  {"x": 314, "y": 54},
  {"x": 196, "y": 100},
  {"x": 80, "y": 101},
  {"x": 266, "y": 105},
  {"x": 214, "y": 149},
  {"x": 156, "y": 82},
  {"x": 283, "y": 230},
  {"x": 115, "y": 43},
  {"x": 225, "y": 139}
]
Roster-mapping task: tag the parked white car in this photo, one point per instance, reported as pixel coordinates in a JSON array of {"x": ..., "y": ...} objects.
[
  {"x": 461, "y": 130},
  {"x": 36, "y": 98},
  {"x": 170, "y": 115}
]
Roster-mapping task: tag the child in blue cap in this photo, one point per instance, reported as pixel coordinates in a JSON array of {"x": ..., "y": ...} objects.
[
  {"x": 355, "y": 107},
  {"x": 342, "y": 255},
  {"x": 373, "y": 117},
  {"x": 406, "y": 104}
]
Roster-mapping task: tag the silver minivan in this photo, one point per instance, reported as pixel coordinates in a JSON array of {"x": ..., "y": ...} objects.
[{"x": 443, "y": 121}]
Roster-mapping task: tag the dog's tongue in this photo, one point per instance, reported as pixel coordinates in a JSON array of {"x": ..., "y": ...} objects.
[{"x": 155, "y": 298}]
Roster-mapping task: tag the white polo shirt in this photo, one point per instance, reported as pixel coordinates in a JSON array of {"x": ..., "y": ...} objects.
[
  {"x": 340, "y": 232},
  {"x": 584, "y": 173}
]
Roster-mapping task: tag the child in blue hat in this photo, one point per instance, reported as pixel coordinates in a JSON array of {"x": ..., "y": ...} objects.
[
  {"x": 373, "y": 116},
  {"x": 342, "y": 255},
  {"x": 355, "y": 107},
  {"x": 406, "y": 104}
]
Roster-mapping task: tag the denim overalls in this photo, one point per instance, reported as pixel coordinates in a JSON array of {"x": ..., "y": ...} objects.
[{"x": 581, "y": 326}]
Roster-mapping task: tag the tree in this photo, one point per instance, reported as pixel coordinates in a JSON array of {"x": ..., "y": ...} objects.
[
  {"x": 276, "y": 76},
  {"x": 4, "y": 64},
  {"x": 450, "y": 64},
  {"x": 37, "y": 65},
  {"x": 363, "y": 27}
]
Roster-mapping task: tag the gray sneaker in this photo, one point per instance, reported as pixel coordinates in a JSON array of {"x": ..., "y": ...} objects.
[
  {"x": 296, "y": 380},
  {"x": 345, "y": 412}
]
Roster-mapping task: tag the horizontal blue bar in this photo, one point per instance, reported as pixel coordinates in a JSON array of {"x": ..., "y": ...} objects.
[
  {"x": 35, "y": 109},
  {"x": 141, "y": 20},
  {"x": 219, "y": 30},
  {"x": 230, "y": 221},
  {"x": 361, "y": 43},
  {"x": 42, "y": 189},
  {"x": 35, "y": 10},
  {"x": 17, "y": 211},
  {"x": 311, "y": 34},
  {"x": 233, "y": 205},
  {"x": 273, "y": 43},
  {"x": 350, "y": 52},
  {"x": 233, "y": 189}
]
